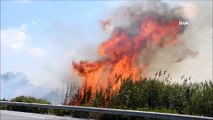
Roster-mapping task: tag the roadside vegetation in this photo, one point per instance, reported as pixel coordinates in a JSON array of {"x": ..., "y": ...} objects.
[
  {"x": 27, "y": 109},
  {"x": 158, "y": 94}
]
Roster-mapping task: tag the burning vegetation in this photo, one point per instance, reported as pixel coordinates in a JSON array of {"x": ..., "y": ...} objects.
[{"x": 128, "y": 51}]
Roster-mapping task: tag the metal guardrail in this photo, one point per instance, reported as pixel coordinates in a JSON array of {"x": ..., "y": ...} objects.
[{"x": 111, "y": 111}]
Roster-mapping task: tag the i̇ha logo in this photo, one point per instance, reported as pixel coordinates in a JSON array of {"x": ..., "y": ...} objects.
[{"x": 183, "y": 23}]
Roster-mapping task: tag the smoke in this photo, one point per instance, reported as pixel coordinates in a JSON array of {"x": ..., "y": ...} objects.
[
  {"x": 194, "y": 52},
  {"x": 131, "y": 16},
  {"x": 16, "y": 84}
]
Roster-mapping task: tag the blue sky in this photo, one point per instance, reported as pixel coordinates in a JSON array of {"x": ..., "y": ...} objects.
[{"x": 41, "y": 38}]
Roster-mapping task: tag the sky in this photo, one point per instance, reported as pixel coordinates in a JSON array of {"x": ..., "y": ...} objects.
[{"x": 41, "y": 38}]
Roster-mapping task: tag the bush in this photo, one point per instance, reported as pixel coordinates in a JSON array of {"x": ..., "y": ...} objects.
[{"x": 28, "y": 109}]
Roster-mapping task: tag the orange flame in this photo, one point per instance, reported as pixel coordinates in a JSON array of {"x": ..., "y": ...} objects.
[{"x": 119, "y": 55}]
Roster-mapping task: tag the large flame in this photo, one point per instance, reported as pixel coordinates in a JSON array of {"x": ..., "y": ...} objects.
[{"x": 120, "y": 54}]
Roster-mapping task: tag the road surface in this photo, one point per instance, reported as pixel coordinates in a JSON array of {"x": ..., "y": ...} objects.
[{"x": 14, "y": 115}]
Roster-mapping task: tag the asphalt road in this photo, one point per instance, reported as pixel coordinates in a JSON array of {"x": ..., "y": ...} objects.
[{"x": 13, "y": 115}]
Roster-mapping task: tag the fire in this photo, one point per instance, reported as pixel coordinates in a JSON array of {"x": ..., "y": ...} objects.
[{"x": 120, "y": 54}]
